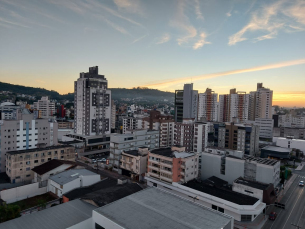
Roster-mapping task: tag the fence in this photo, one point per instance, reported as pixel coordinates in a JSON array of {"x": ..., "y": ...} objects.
[{"x": 20, "y": 193}]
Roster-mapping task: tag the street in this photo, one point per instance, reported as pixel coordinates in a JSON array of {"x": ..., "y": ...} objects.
[{"x": 294, "y": 213}]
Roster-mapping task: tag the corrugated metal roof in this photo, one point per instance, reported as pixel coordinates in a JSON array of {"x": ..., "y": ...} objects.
[{"x": 58, "y": 217}]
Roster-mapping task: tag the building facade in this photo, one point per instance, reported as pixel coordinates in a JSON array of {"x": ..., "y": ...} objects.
[
  {"x": 229, "y": 165},
  {"x": 241, "y": 137},
  {"x": 19, "y": 163},
  {"x": 92, "y": 102},
  {"x": 25, "y": 132},
  {"x": 172, "y": 164},
  {"x": 186, "y": 103},
  {"x": 45, "y": 106},
  {"x": 132, "y": 140},
  {"x": 207, "y": 106},
  {"x": 135, "y": 163}
]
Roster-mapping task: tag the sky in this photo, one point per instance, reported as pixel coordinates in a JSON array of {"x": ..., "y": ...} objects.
[{"x": 162, "y": 44}]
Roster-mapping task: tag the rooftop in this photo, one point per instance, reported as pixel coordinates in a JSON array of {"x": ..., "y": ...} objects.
[
  {"x": 59, "y": 217},
  {"x": 259, "y": 160},
  {"x": 37, "y": 149},
  {"x": 50, "y": 165},
  {"x": 253, "y": 184},
  {"x": 168, "y": 152},
  {"x": 277, "y": 149},
  {"x": 133, "y": 152},
  {"x": 221, "y": 193},
  {"x": 160, "y": 209},
  {"x": 70, "y": 175}
]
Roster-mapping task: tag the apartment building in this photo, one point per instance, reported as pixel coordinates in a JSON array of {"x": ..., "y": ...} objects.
[
  {"x": 65, "y": 124},
  {"x": 45, "y": 106},
  {"x": 207, "y": 106},
  {"x": 113, "y": 113},
  {"x": 291, "y": 120},
  {"x": 134, "y": 163},
  {"x": 241, "y": 137},
  {"x": 234, "y": 106},
  {"x": 167, "y": 133},
  {"x": 186, "y": 103},
  {"x": 92, "y": 102},
  {"x": 201, "y": 131},
  {"x": 290, "y": 143},
  {"x": 19, "y": 163},
  {"x": 231, "y": 164},
  {"x": 132, "y": 140},
  {"x": 265, "y": 127},
  {"x": 25, "y": 132},
  {"x": 131, "y": 123},
  {"x": 7, "y": 110},
  {"x": 184, "y": 134},
  {"x": 293, "y": 132},
  {"x": 173, "y": 164}
]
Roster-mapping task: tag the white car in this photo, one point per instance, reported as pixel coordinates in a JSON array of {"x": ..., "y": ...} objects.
[
  {"x": 301, "y": 183},
  {"x": 104, "y": 159},
  {"x": 93, "y": 161},
  {"x": 100, "y": 159}
]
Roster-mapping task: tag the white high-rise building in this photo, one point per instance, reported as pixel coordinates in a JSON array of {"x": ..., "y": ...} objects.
[
  {"x": 263, "y": 102},
  {"x": 45, "y": 106},
  {"x": 207, "y": 106},
  {"x": 92, "y": 101}
]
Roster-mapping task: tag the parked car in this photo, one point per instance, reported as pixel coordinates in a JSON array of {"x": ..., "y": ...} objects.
[
  {"x": 272, "y": 216},
  {"x": 301, "y": 183},
  {"x": 104, "y": 159},
  {"x": 100, "y": 159},
  {"x": 93, "y": 160}
]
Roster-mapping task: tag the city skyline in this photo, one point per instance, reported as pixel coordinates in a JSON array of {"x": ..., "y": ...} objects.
[{"x": 218, "y": 45}]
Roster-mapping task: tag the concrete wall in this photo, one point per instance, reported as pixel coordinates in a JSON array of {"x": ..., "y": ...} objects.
[
  {"x": 19, "y": 193},
  {"x": 290, "y": 143},
  {"x": 257, "y": 193},
  {"x": 211, "y": 164}
]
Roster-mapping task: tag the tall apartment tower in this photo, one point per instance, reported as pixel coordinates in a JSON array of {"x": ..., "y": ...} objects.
[
  {"x": 234, "y": 106},
  {"x": 186, "y": 103},
  {"x": 45, "y": 106},
  {"x": 260, "y": 103},
  {"x": 92, "y": 102},
  {"x": 207, "y": 106}
]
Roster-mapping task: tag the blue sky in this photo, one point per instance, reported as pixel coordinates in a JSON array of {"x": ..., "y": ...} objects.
[{"x": 159, "y": 43}]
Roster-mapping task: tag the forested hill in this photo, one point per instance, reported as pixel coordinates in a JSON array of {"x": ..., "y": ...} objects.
[{"x": 117, "y": 93}]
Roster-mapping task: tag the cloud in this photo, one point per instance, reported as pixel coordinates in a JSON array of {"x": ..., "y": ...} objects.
[
  {"x": 229, "y": 14},
  {"x": 140, "y": 38},
  {"x": 165, "y": 38},
  {"x": 182, "y": 22},
  {"x": 201, "y": 42},
  {"x": 4, "y": 21},
  {"x": 131, "y": 6},
  {"x": 197, "y": 10},
  {"x": 271, "y": 19},
  {"x": 232, "y": 72}
]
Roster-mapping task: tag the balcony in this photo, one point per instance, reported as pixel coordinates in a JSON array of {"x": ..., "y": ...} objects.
[
  {"x": 166, "y": 179},
  {"x": 166, "y": 165},
  {"x": 153, "y": 167},
  {"x": 166, "y": 171},
  {"x": 153, "y": 175}
]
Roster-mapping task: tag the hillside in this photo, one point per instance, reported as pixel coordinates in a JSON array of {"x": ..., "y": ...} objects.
[{"x": 117, "y": 93}]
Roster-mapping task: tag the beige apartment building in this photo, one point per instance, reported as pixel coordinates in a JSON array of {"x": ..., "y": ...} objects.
[
  {"x": 172, "y": 164},
  {"x": 134, "y": 162},
  {"x": 19, "y": 164}
]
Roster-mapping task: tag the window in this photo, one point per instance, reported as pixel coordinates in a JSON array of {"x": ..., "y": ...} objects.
[
  {"x": 17, "y": 177},
  {"x": 97, "y": 226},
  {"x": 246, "y": 217},
  {"x": 49, "y": 153},
  {"x": 214, "y": 207},
  {"x": 28, "y": 162},
  {"x": 36, "y": 161},
  {"x": 28, "y": 169},
  {"x": 155, "y": 185},
  {"x": 28, "y": 175},
  {"x": 42, "y": 160},
  {"x": 221, "y": 210}
]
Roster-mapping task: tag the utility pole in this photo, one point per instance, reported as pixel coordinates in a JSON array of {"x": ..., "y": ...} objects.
[{"x": 297, "y": 226}]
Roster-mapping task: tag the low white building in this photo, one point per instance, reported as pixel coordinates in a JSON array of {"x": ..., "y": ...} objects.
[
  {"x": 155, "y": 208},
  {"x": 290, "y": 143},
  {"x": 239, "y": 206},
  {"x": 66, "y": 181},
  {"x": 229, "y": 165}
]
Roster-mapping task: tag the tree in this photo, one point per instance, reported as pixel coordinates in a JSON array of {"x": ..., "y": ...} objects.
[{"x": 8, "y": 212}]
